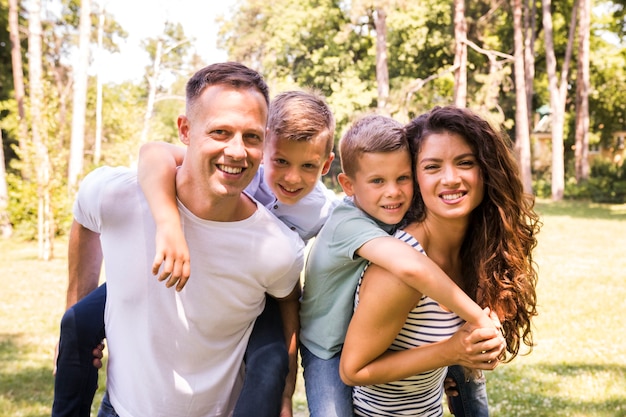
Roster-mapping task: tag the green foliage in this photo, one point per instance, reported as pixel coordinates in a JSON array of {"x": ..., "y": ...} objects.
[{"x": 607, "y": 182}]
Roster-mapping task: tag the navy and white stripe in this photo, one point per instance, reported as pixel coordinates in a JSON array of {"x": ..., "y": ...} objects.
[{"x": 419, "y": 395}]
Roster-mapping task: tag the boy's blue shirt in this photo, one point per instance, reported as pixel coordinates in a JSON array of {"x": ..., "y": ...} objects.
[
  {"x": 332, "y": 273},
  {"x": 307, "y": 216}
]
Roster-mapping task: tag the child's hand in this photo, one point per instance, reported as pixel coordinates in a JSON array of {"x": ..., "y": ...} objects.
[{"x": 171, "y": 252}]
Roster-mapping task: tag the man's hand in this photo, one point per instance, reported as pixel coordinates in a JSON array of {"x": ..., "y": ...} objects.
[{"x": 98, "y": 353}]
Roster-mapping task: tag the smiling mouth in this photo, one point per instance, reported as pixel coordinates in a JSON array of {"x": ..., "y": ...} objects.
[
  {"x": 451, "y": 197},
  {"x": 290, "y": 190},
  {"x": 230, "y": 170},
  {"x": 392, "y": 207}
]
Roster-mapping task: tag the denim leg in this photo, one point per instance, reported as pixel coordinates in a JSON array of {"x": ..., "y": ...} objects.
[
  {"x": 327, "y": 395},
  {"x": 267, "y": 366},
  {"x": 76, "y": 379},
  {"x": 106, "y": 409},
  {"x": 472, "y": 398}
]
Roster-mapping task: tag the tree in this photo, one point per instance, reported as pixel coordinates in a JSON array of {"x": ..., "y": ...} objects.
[
  {"x": 582, "y": 93},
  {"x": 77, "y": 142},
  {"x": 522, "y": 129},
  {"x": 558, "y": 93},
  {"x": 45, "y": 224},
  {"x": 460, "y": 54},
  {"x": 18, "y": 77},
  {"x": 5, "y": 224},
  {"x": 167, "y": 52},
  {"x": 382, "y": 71}
]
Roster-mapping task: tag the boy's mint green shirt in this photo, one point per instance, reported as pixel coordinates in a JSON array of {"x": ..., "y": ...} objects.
[{"x": 332, "y": 273}]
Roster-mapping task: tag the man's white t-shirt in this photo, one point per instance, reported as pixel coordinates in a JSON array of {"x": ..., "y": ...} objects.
[{"x": 180, "y": 353}]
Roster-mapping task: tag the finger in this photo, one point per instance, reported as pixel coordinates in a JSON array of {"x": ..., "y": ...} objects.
[
  {"x": 156, "y": 264},
  {"x": 168, "y": 267},
  {"x": 171, "y": 282}
]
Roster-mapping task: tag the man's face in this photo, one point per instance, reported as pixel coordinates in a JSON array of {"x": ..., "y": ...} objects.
[
  {"x": 293, "y": 168},
  {"x": 382, "y": 186},
  {"x": 224, "y": 130}
]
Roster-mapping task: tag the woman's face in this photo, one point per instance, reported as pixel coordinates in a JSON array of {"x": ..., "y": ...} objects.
[{"x": 448, "y": 175}]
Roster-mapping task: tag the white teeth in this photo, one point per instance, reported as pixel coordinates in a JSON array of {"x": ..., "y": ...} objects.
[
  {"x": 230, "y": 170},
  {"x": 452, "y": 196},
  {"x": 392, "y": 207}
]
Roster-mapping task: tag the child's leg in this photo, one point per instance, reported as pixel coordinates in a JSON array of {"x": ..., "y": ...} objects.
[
  {"x": 326, "y": 394},
  {"x": 267, "y": 366},
  {"x": 76, "y": 379},
  {"x": 472, "y": 398}
]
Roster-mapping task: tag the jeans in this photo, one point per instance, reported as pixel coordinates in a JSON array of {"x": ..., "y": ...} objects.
[
  {"x": 106, "y": 409},
  {"x": 267, "y": 366},
  {"x": 472, "y": 398},
  {"x": 76, "y": 379},
  {"x": 327, "y": 395}
]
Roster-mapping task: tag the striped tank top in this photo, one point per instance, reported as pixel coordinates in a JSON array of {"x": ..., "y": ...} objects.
[{"x": 419, "y": 395}]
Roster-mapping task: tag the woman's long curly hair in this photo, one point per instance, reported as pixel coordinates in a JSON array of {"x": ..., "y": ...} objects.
[{"x": 498, "y": 268}]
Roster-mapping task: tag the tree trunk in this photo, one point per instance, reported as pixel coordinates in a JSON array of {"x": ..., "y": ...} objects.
[
  {"x": 460, "y": 54},
  {"x": 530, "y": 25},
  {"x": 77, "y": 145},
  {"x": 5, "y": 224},
  {"x": 97, "y": 147},
  {"x": 522, "y": 130},
  {"x": 42, "y": 166},
  {"x": 582, "y": 93},
  {"x": 558, "y": 94},
  {"x": 18, "y": 83},
  {"x": 382, "y": 70},
  {"x": 152, "y": 83}
]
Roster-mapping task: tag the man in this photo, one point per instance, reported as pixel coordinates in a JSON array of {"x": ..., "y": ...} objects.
[{"x": 180, "y": 353}]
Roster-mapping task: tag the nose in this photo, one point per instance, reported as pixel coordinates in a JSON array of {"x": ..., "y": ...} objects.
[
  {"x": 292, "y": 176},
  {"x": 235, "y": 148},
  {"x": 450, "y": 176},
  {"x": 392, "y": 189}
]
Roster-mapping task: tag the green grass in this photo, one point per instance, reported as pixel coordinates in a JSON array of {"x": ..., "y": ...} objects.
[{"x": 577, "y": 368}]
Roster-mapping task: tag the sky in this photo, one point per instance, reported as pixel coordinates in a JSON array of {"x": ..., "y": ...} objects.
[{"x": 145, "y": 18}]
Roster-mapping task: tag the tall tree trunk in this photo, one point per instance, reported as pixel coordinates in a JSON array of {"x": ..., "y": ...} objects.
[
  {"x": 5, "y": 224},
  {"x": 97, "y": 147},
  {"x": 530, "y": 25},
  {"x": 522, "y": 130},
  {"x": 45, "y": 221},
  {"x": 460, "y": 54},
  {"x": 382, "y": 70},
  {"x": 18, "y": 84},
  {"x": 77, "y": 145},
  {"x": 582, "y": 93},
  {"x": 153, "y": 80},
  {"x": 558, "y": 94}
]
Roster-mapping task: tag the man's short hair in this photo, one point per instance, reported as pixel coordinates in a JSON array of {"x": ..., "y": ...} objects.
[{"x": 226, "y": 73}]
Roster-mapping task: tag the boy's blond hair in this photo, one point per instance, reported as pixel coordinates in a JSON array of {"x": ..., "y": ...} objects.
[
  {"x": 302, "y": 116},
  {"x": 372, "y": 133}
]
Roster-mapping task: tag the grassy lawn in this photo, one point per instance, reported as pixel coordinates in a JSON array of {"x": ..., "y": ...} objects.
[{"x": 578, "y": 367}]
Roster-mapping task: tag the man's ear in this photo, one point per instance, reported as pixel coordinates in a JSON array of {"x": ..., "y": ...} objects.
[
  {"x": 183, "y": 129},
  {"x": 346, "y": 184},
  {"x": 327, "y": 164}
]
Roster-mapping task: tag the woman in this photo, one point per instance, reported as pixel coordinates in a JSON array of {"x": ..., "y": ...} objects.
[{"x": 472, "y": 218}]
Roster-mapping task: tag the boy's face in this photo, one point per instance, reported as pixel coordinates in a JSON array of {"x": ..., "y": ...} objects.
[
  {"x": 382, "y": 186},
  {"x": 293, "y": 168}
]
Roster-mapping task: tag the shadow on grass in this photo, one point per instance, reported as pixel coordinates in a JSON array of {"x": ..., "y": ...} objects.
[
  {"x": 26, "y": 385},
  {"x": 544, "y": 390},
  {"x": 581, "y": 209}
]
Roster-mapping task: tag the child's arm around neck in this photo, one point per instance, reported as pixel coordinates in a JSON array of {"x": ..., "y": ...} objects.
[{"x": 422, "y": 274}]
